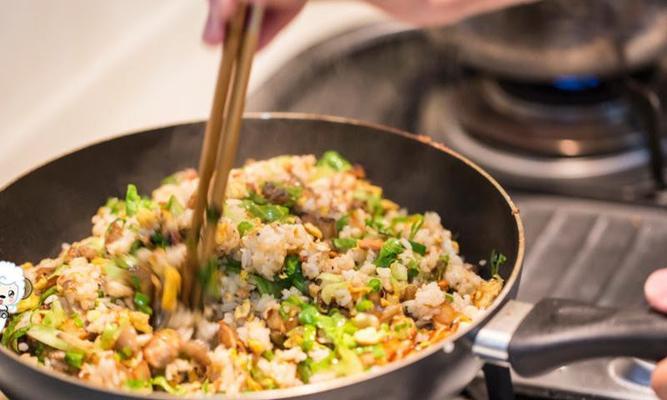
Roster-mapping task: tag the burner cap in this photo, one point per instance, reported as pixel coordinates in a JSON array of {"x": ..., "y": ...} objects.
[{"x": 545, "y": 119}]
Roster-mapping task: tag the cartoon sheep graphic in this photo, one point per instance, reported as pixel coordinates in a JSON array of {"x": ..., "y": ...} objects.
[{"x": 13, "y": 288}]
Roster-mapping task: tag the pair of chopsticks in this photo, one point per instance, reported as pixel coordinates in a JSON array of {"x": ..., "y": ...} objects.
[{"x": 219, "y": 148}]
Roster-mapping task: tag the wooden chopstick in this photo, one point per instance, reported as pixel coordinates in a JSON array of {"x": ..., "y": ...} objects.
[{"x": 243, "y": 40}]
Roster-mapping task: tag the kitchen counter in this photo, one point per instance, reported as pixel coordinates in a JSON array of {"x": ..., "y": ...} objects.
[{"x": 80, "y": 71}]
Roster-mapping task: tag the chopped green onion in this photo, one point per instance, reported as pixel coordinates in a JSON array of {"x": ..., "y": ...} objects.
[
  {"x": 243, "y": 227},
  {"x": 309, "y": 337},
  {"x": 418, "y": 248},
  {"x": 132, "y": 200},
  {"x": 265, "y": 286},
  {"x": 109, "y": 336},
  {"x": 174, "y": 206},
  {"x": 231, "y": 265},
  {"x": 162, "y": 383},
  {"x": 416, "y": 225},
  {"x": 142, "y": 302},
  {"x": 344, "y": 244},
  {"x": 304, "y": 370},
  {"x": 159, "y": 240},
  {"x": 74, "y": 359},
  {"x": 365, "y": 305},
  {"x": 309, "y": 315},
  {"x": 342, "y": 222},
  {"x": 375, "y": 284},
  {"x": 496, "y": 260},
  {"x": 48, "y": 292},
  {"x": 334, "y": 160},
  {"x": 171, "y": 179},
  {"x": 267, "y": 213},
  {"x": 389, "y": 253},
  {"x": 137, "y": 384}
]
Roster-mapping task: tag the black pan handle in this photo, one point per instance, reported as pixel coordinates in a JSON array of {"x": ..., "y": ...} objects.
[{"x": 557, "y": 332}]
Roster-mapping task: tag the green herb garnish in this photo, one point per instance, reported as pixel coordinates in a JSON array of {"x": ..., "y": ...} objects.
[{"x": 496, "y": 260}]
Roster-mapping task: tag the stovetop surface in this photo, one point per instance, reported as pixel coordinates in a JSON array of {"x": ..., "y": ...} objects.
[
  {"x": 399, "y": 77},
  {"x": 599, "y": 249}
]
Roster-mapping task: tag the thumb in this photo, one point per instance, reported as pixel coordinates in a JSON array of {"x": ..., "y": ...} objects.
[{"x": 655, "y": 290}]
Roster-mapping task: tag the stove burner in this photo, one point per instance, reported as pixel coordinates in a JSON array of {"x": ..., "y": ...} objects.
[
  {"x": 571, "y": 117},
  {"x": 576, "y": 83}
]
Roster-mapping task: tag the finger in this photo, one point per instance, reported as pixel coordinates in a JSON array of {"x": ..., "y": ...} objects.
[
  {"x": 213, "y": 30},
  {"x": 659, "y": 379},
  {"x": 278, "y": 4},
  {"x": 219, "y": 12},
  {"x": 655, "y": 290},
  {"x": 275, "y": 20}
]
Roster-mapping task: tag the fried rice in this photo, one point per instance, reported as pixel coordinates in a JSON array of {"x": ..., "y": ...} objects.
[{"x": 317, "y": 276}]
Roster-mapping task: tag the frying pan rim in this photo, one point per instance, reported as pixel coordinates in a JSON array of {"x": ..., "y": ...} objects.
[{"x": 314, "y": 388}]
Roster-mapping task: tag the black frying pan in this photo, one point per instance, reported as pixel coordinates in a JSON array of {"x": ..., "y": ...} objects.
[{"x": 54, "y": 203}]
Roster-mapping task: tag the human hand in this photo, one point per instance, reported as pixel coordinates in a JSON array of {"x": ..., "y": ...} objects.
[
  {"x": 278, "y": 14},
  {"x": 440, "y": 12},
  {"x": 655, "y": 290}
]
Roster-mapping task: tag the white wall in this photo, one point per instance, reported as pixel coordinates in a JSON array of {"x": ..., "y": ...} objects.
[{"x": 78, "y": 71}]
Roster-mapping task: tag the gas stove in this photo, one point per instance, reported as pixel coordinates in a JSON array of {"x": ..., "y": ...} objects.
[{"x": 581, "y": 155}]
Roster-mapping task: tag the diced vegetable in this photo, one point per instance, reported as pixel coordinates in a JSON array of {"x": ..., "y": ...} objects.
[
  {"x": 308, "y": 315},
  {"x": 418, "y": 221},
  {"x": 344, "y": 244},
  {"x": 174, "y": 206},
  {"x": 161, "y": 382},
  {"x": 74, "y": 359},
  {"x": 294, "y": 274},
  {"x": 142, "y": 302},
  {"x": 55, "y": 316},
  {"x": 126, "y": 261},
  {"x": 342, "y": 222},
  {"x": 132, "y": 200},
  {"x": 231, "y": 265},
  {"x": 496, "y": 260},
  {"x": 304, "y": 370},
  {"x": 332, "y": 159},
  {"x": 48, "y": 292},
  {"x": 170, "y": 180},
  {"x": 418, "y": 248},
  {"x": 138, "y": 384},
  {"x": 389, "y": 252},
  {"x": 365, "y": 305},
  {"x": 265, "y": 286},
  {"x": 159, "y": 240},
  {"x": 49, "y": 336},
  {"x": 109, "y": 336},
  {"x": 244, "y": 227},
  {"x": 267, "y": 213},
  {"x": 375, "y": 285},
  {"x": 309, "y": 337}
]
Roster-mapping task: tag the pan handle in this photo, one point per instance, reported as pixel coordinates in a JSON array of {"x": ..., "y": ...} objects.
[{"x": 555, "y": 332}]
